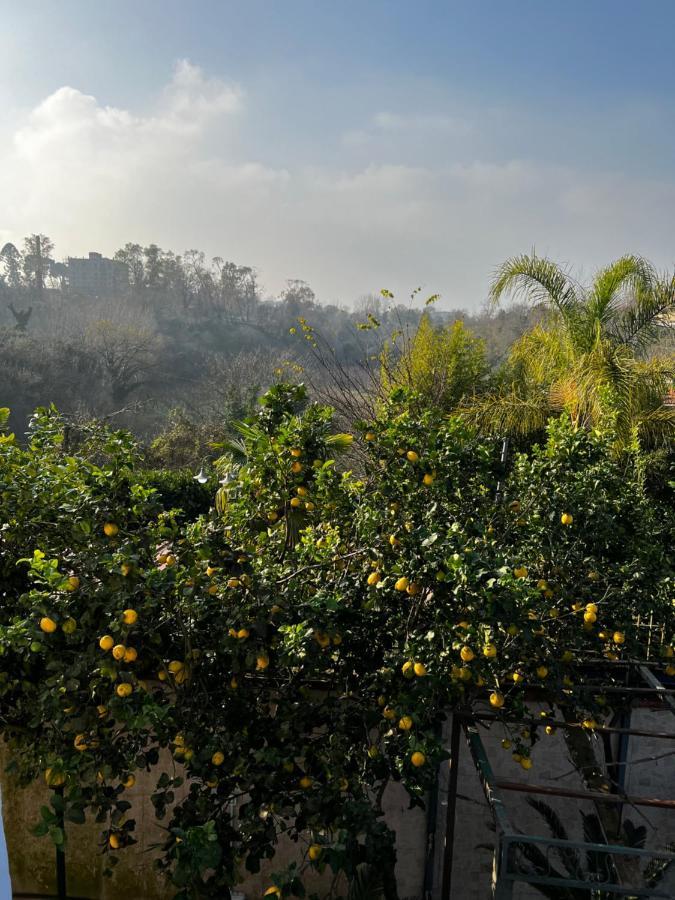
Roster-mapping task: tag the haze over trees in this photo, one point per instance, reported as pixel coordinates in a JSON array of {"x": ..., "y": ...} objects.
[{"x": 190, "y": 340}]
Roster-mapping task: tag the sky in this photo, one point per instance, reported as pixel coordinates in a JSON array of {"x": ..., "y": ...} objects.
[{"x": 356, "y": 145}]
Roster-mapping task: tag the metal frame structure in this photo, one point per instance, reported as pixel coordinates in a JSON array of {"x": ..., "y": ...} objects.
[{"x": 506, "y": 870}]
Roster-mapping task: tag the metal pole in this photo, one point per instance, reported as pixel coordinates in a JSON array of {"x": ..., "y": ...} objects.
[
  {"x": 448, "y": 847},
  {"x": 60, "y": 855}
]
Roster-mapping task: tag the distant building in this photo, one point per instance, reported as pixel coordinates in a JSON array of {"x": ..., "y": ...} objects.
[{"x": 97, "y": 276}]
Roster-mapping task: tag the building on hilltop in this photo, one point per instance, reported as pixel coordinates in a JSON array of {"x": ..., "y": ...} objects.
[{"x": 97, "y": 276}]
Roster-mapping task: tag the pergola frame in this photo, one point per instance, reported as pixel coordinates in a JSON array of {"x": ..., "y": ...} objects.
[{"x": 506, "y": 873}]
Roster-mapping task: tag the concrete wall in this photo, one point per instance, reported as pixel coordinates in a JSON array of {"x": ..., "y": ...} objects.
[{"x": 32, "y": 859}]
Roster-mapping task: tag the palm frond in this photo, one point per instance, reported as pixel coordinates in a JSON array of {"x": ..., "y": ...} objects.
[
  {"x": 537, "y": 280},
  {"x": 651, "y": 311},
  {"x": 570, "y": 858},
  {"x": 367, "y": 884},
  {"x": 340, "y": 442}
]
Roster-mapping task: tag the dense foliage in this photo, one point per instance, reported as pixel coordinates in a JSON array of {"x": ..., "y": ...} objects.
[{"x": 297, "y": 647}]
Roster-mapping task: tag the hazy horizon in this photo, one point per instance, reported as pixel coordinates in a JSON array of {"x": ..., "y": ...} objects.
[{"x": 357, "y": 148}]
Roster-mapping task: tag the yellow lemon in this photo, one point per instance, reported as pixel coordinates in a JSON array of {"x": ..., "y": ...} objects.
[
  {"x": 114, "y": 842},
  {"x": 420, "y": 669},
  {"x": 218, "y": 758},
  {"x": 130, "y": 617},
  {"x": 405, "y": 723},
  {"x": 130, "y": 654},
  {"x": 107, "y": 642},
  {"x": 412, "y": 456},
  {"x": 619, "y": 637},
  {"x": 262, "y": 661},
  {"x": 402, "y": 584},
  {"x": 124, "y": 689},
  {"x": 110, "y": 529},
  {"x": 47, "y": 625},
  {"x": 373, "y": 578},
  {"x": 566, "y": 519},
  {"x": 520, "y": 572},
  {"x": 418, "y": 759},
  {"x": 54, "y": 777},
  {"x": 526, "y": 762},
  {"x": 542, "y": 671},
  {"x": 314, "y": 852},
  {"x": 296, "y": 502},
  {"x": 242, "y": 634},
  {"x": 489, "y": 651},
  {"x": 428, "y": 479},
  {"x": 73, "y": 583},
  {"x": 80, "y": 742},
  {"x": 496, "y": 699},
  {"x": 118, "y": 651},
  {"x": 296, "y": 468},
  {"x": 305, "y": 782},
  {"x": 466, "y": 653},
  {"x": 130, "y": 781}
]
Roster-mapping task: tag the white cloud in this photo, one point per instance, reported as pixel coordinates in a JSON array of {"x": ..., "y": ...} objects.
[{"x": 95, "y": 176}]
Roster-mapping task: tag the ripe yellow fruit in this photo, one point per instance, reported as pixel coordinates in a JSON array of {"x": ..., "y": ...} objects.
[
  {"x": 389, "y": 712},
  {"x": 466, "y": 653},
  {"x": 418, "y": 759},
  {"x": 80, "y": 742},
  {"x": 130, "y": 654},
  {"x": 590, "y": 618},
  {"x": 343, "y": 784},
  {"x": 218, "y": 758},
  {"x": 129, "y": 782},
  {"x": 262, "y": 662},
  {"x": 242, "y": 634},
  {"x": 130, "y": 617},
  {"x": 429, "y": 479},
  {"x": 102, "y": 711},
  {"x": 114, "y": 842},
  {"x": 322, "y": 639},
  {"x": 296, "y": 468},
  {"x": 517, "y": 677},
  {"x": 413, "y": 589},
  {"x": 296, "y": 452},
  {"x": 107, "y": 642},
  {"x": 124, "y": 689},
  {"x": 54, "y": 777},
  {"x": 72, "y": 583},
  {"x": 506, "y": 744},
  {"x": 402, "y": 584},
  {"x": 408, "y": 668},
  {"x": 393, "y": 540},
  {"x": 273, "y": 516},
  {"x": 542, "y": 671},
  {"x": 69, "y": 626},
  {"x": 496, "y": 699},
  {"x": 170, "y": 560},
  {"x": 526, "y": 762},
  {"x": 405, "y": 723},
  {"x": 126, "y": 569},
  {"x": 420, "y": 669},
  {"x": 589, "y": 724},
  {"x": 374, "y": 578},
  {"x": 542, "y": 584},
  {"x": 373, "y": 752},
  {"x": 520, "y": 572},
  {"x": 489, "y": 651},
  {"x": 592, "y": 607},
  {"x": 412, "y": 456},
  {"x": 47, "y": 625},
  {"x": 314, "y": 852},
  {"x": 110, "y": 529},
  {"x": 619, "y": 637},
  {"x": 273, "y": 891},
  {"x": 370, "y": 435},
  {"x": 566, "y": 518},
  {"x": 296, "y": 502},
  {"x": 118, "y": 651},
  {"x": 670, "y": 670},
  {"x": 550, "y": 729},
  {"x": 305, "y": 782}
]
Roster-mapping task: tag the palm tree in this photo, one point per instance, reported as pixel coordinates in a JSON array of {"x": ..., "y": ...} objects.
[{"x": 589, "y": 356}]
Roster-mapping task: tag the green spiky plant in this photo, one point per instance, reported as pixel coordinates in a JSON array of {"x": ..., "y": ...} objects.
[
  {"x": 589, "y": 866},
  {"x": 590, "y": 357}
]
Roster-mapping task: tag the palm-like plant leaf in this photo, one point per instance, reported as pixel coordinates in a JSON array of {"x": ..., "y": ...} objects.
[
  {"x": 537, "y": 280},
  {"x": 367, "y": 884}
]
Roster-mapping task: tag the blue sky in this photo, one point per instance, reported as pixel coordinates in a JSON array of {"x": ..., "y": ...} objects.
[{"x": 356, "y": 145}]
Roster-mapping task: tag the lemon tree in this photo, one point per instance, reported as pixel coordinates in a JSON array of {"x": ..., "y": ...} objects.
[{"x": 287, "y": 655}]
